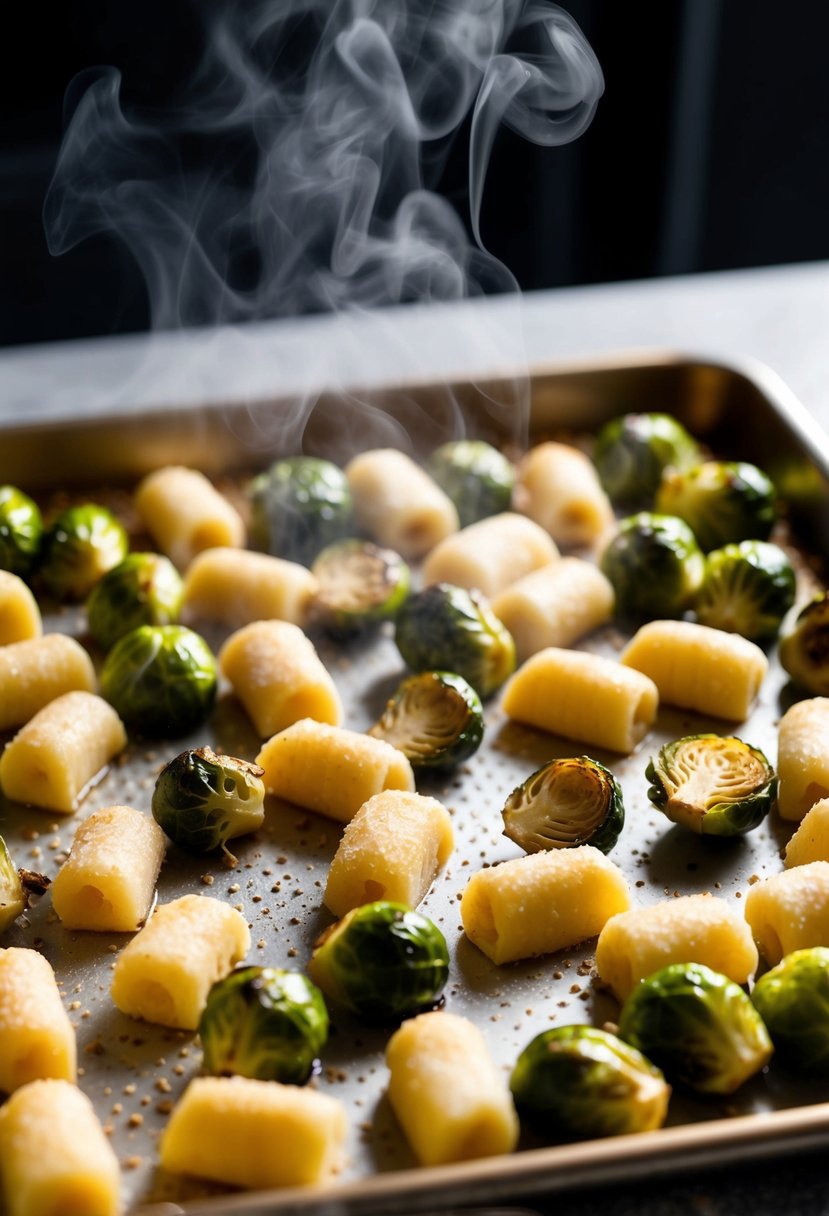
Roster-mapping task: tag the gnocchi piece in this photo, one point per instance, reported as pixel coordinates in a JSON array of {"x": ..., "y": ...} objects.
[
  {"x": 35, "y": 671},
  {"x": 689, "y": 929},
  {"x": 555, "y": 606},
  {"x": 165, "y": 972},
  {"x": 790, "y": 911},
  {"x": 393, "y": 849},
  {"x": 698, "y": 667},
  {"x": 37, "y": 1036},
  {"x": 558, "y": 487},
  {"x": 19, "y": 614},
  {"x": 234, "y": 587},
  {"x": 55, "y": 759},
  {"x": 803, "y": 757},
  {"x": 398, "y": 503},
  {"x": 276, "y": 673},
  {"x": 446, "y": 1092},
  {"x": 491, "y": 554},
  {"x": 184, "y": 513},
  {"x": 108, "y": 881},
  {"x": 583, "y": 696},
  {"x": 542, "y": 902},
  {"x": 810, "y": 841}
]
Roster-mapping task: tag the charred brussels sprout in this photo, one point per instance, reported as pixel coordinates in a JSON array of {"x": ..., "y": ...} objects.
[
  {"x": 698, "y": 1026},
  {"x": 793, "y": 1001},
  {"x": 161, "y": 679},
  {"x": 435, "y": 719},
  {"x": 579, "y": 1082},
  {"x": 566, "y": 803},
  {"x": 143, "y": 589},
  {"x": 655, "y": 566},
  {"x": 300, "y": 505},
  {"x": 723, "y": 502},
  {"x": 202, "y": 800},
  {"x": 21, "y": 529},
  {"x": 12, "y": 895},
  {"x": 446, "y": 628},
  {"x": 359, "y": 585},
  {"x": 476, "y": 476},
  {"x": 747, "y": 588},
  {"x": 804, "y": 646},
  {"x": 713, "y": 784},
  {"x": 632, "y": 452},
  {"x": 264, "y": 1022},
  {"x": 382, "y": 961},
  {"x": 80, "y": 545}
]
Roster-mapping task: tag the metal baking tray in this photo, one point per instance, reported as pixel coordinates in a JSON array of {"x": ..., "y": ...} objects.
[{"x": 134, "y": 1072}]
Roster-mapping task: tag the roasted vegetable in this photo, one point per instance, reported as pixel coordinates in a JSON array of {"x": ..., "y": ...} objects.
[
  {"x": 723, "y": 502},
  {"x": 202, "y": 800},
  {"x": 12, "y": 895},
  {"x": 264, "y": 1022},
  {"x": 435, "y": 718},
  {"x": 715, "y": 785},
  {"x": 793, "y": 1001},
  {"x": 78, "y": 548},
  {"x": 804, "y": 646},
  {"x": 655, "y": 566},
  {"x": 143, "y": 589},
  {"x": 566, "y": 803},
  {"x": 298, "y": 506},
  {"x": 476, "y": 476},
  {"x": 698, "y": 1026},
  {"x": 359, "y": 585},
  {"x": 161, "y": 679},
  {"x": 446, "y": 628},
  {"x": 747, "y": 588},
  {"x": 21, "y": 530},
  {"x": 382, "y": 961},
  {"x": 578, "y": 1082},
  {"x": 633, "y": 451}
]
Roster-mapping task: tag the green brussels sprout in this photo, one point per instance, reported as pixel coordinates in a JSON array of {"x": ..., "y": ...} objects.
[
  {"x": 579, "y": 1082},
  {"x": 566, "y": 803},
  {"x": 382, "y": 961},
  {"x": 476, "y": 476},
  {"x": 655, "y": 566},
  {"x": 722, "y": 501},
  {"x": 143, "y": 589},
  {"x": 298, "y": 506},
  {"x": 263, "y": 1022},
  {"x": 446, "y": 628},
  {"x": 793, "y": 1001},
  {"x": 632, "y": 452},
  {"x": 804, "y": 646},
  {"x": 12, "y": 895},
  {"x": 79, "y": 546},
  {"x": 715, "y": 785},
  {"x": 359, "y": 585},
  {"x": 161, "y": 679},
  {"x": 435, "y": 718},
  {"x": 747, "y": 588},
  {"x": 21, "y": 530},
  {"x": 698, "y": 1026},
  {"x": 202, "y": 800}
]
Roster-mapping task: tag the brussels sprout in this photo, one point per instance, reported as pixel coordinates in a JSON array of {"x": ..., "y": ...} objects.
[
  {"x": 80, "y": 545},
  {"x": 713, "y": 784},
  {"x": 723, "y": 502},
  {"x": 476, "y": 476},
  {"x": 382, "y": 961},
  {"x": 580, "y": 1082},
  {"x": 202, "y": 800},
  {"x": 435, "y": 719},
  {"x": 698, "y": 1026},
  {"x": 143, "y": 589},
  {"x": 21, "y": 529},
  {"x": 264, "y": 1022},
  {"x": 161, "y": 679},
  {"x": 632, "y": 452},
  {"x": 12, "y": 896},
  {"x": 566, "y": 803},
  {"x": 793, "y": 1001},
  {"x": 359, "y": 585},
  {"x": 747, "y": 588},
  {"x": 804, "y": 646},
  {"x": 655, "y": 565},
  {"x": 300, "y": 505},
  {"x": 446, "y": 628}
]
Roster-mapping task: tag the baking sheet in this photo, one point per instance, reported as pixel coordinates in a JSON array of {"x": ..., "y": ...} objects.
[{"x": 135, "y": 1072}]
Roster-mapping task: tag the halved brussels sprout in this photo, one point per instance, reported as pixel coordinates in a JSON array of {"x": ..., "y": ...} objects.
[
  {"x": 161, "y": 679},
  {"x": 80, "y": 545},
  {"x": 447, "y": 628},
  {"x": 435, "y": 719},
  {"x": 655, "y": 565},
  {"x": 12, "y": 895},
  {"x": 300, "y": 505},
  {"x": 698, "y": 1026},
  {"x": 715, "y": 785},
  {"x": 632, "y": 452},
  {"x": 21, "y": 529},
  {"x": 747, "y": 588},
  {"x": 580, "y": 1082},
  {"x": 566, "y": 803},
  {"x": 722, "y": 501},
  {"x": 359, "y": 585},
  {"x": 804, "y": 646},
  {"x": 202, "y": 800},
  {"x": 793, "y": 1001},
  {"x": 264, "y": 1022},
  {"x": 382, "y": 961},
  {"x": 143, "y": 589},
  {"x": 476, "y": 476}
]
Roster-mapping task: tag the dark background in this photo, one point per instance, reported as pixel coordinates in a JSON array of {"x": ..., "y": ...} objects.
[{"x": 709, "y": 151}]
